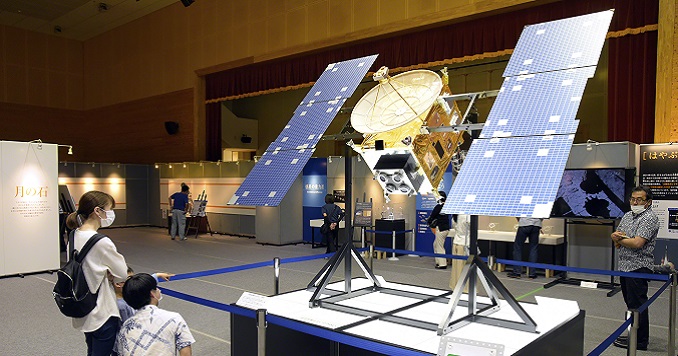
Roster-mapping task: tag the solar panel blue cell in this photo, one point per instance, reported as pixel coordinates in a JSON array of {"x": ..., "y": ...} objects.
[
  {"x": 516, "y": 176},
  {"x": 283, "y": 160},
  {"x": 568, "y": 43},
  {"x": 537, "y": 104},
  {"x": 339, "y": 80},
  {"x": 306, "y": 126},
  {"x": 271, "y": 178}
]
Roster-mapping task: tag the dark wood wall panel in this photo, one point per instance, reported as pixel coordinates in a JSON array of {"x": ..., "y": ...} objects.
[
  {"x": 131, "y": 132},
  {"x": 20, "y": 122},
  {"x": 134, "y": 132}
]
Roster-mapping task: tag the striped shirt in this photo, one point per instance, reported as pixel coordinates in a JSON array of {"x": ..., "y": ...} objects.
[{"x": 645, "y": 225}]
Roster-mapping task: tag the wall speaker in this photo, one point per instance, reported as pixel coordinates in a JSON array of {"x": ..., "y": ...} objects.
[
  {"x": 172, "y": 127},
  {"x": 187, "y": 3}
]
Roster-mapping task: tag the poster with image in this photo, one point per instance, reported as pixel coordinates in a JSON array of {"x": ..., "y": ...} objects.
[{"x": 659, "y": 171}]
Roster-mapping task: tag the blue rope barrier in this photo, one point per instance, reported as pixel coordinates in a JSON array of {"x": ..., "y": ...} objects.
[
  {"x": 372, "y": 345},
  {"x": 296, "y": 325},
  {"x": 654, "y": 297},
  {"x": 610, "y": 339},
  {"x": 233, "y": 309},
  {"x": 253, "y": 265},
  {"x": 655, "y": 277}
]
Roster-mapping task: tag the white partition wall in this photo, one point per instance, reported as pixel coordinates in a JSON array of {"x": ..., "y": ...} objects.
[{"x": 29, "y": 228}]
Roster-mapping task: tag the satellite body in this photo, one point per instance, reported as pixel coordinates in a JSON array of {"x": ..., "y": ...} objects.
[{"x": 403, "y": 159}]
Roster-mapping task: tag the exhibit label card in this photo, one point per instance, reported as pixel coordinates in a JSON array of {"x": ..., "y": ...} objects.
[{"x": 252, "y": 301}]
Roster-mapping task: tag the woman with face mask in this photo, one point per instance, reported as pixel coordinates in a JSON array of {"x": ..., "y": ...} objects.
[{"x": 102, "y": 265}]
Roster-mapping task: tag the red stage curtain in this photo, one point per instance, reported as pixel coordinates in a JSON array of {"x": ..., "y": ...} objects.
[
  {"x": 631, "y": 88},
  {"x": 485, "y": 35},
  {"x": 472, "y": 38},
  {"x": 213, "y": 131}
]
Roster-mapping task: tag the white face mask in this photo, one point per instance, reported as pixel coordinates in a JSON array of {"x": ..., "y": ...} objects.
[
  {"x": 110, "y": 217},
  {"x": 637, "y": 209},
  {"x": 159, "y": 295}
]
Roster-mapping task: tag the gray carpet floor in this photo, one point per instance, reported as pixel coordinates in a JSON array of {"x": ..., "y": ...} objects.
[{"x": 32, "y": 324}]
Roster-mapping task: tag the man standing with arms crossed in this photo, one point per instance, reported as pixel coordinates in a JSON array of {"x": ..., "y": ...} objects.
[{"x": 635, "y": 239}]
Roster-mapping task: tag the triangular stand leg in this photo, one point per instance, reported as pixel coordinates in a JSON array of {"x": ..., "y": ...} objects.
[
  {"x": 320, "y": 281},
  {"x": 476, "y": 269}
]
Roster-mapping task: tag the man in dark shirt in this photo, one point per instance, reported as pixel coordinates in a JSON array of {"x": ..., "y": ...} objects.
[
  {"x": 635, "y": 240},
  {"x": 179, "y": 202}
]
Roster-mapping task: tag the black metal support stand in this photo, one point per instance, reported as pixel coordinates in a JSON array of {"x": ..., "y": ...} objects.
[
  {"x": 476, "y": 269},
  {"x": 564, "y": 279}
]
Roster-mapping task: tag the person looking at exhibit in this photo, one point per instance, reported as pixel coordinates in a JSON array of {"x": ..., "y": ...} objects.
[
  {"x": 332, "y": 215},
  {"x": 179, "y": 203},
  {"x": 151, "y": 330},
  {"x": 440, "y": 226},
  {"x": 102, "y": 265},
  {"x": 635, "y": 239},
  {"x": 528, "y": 228},
  {"x": 461, "y": 244}
]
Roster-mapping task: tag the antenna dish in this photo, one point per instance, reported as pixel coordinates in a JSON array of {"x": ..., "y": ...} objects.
[{"x": 396, "y": 101}]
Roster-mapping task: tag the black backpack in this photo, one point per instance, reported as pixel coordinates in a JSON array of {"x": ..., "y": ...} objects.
[{"x": 71, "y": 291}]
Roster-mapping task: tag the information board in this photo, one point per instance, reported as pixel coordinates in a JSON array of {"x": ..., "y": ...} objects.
[{"x": 659, "y": 171}]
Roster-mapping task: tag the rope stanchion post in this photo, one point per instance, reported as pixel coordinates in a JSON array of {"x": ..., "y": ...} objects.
[
  {"x": 261, "y": 332},
  {"x": 276, "y": 275},
  {"x": 371, "y": 255},
  {"x": 393, "y": 246},
  {"x": 633, "y": 334},
  {"x": 672, "y": 315}
]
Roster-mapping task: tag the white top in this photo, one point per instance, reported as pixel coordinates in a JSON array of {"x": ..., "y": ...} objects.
[
  {"x": 462, "y": 230},
  {"x": 153, "y": 331},
  {"x": 103, "y": 257}
]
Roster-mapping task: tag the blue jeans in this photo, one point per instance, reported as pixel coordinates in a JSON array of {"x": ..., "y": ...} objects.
[
  {"x": 178, "y": 223},
  {"x": 100, "y": 342},
  {"x": 524, "y": 232}
]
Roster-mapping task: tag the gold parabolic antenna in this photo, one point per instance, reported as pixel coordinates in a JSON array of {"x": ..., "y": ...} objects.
[{"x": 395, "y": 101}]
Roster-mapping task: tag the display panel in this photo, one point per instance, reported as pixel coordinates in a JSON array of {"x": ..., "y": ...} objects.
[{"x": 594, "y": 193}]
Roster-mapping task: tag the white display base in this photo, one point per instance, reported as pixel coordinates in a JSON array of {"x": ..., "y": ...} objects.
[{"x": 548, "y": 313}]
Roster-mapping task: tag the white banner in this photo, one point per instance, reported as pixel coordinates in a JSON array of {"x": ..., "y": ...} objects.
[{"x": 30, "y": 222}]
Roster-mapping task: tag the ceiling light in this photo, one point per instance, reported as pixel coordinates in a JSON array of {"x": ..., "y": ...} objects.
[{"x": 156, "y": 166}]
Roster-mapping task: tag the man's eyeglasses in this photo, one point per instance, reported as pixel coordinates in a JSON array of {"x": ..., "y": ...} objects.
[{"x": 637, "y": 200}]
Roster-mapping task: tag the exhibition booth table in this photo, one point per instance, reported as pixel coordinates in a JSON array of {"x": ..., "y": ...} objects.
[
  {"x": 560, "y": 323},
  {"x": 500, "y": 245}
]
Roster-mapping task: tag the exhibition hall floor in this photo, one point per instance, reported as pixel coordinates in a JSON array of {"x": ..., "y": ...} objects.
[{"x": 32, "y": 324}]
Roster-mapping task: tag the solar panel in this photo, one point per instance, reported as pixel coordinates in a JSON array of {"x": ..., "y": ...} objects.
[
  {"x": 271, "y": 178},
  {"x": 339, "y": 80},
  {"x": 515, "y": 166},
  {"x": 567, "y": 43},
  {"x": 514, "y": 176},
  {"x": 283, "y": 160},
  {"x": 534, "y": 104}
]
